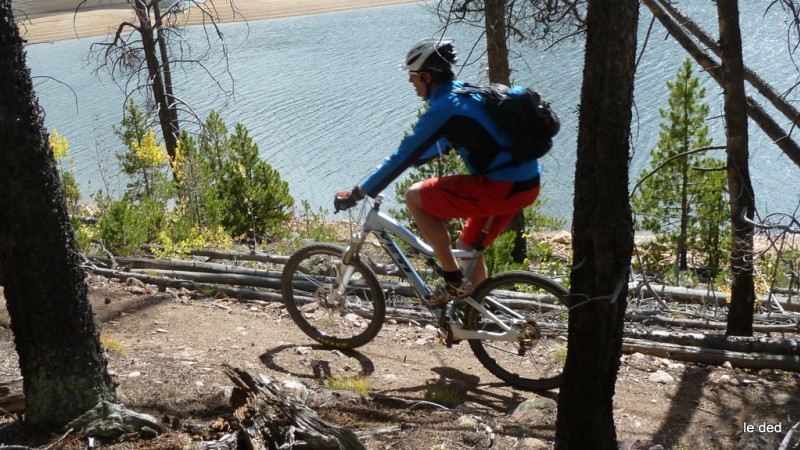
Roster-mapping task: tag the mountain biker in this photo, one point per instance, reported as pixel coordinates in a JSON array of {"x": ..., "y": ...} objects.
[{"x": 494, "y": 187}]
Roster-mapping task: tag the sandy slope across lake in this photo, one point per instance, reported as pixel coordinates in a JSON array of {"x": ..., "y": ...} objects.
[{"x": 54, "y": 20}]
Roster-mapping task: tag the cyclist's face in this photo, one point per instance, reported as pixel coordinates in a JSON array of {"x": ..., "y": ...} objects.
[{"x": 418, "y": 79}]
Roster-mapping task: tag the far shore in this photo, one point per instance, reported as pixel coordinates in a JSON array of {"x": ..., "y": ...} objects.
[{"x": 56, "y": 20}]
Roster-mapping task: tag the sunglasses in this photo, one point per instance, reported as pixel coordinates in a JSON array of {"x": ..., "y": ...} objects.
[{"x": 414, "y": 74}]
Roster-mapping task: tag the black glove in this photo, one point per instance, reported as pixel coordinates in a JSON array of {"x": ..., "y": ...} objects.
[{"x": 346, "y": 199}]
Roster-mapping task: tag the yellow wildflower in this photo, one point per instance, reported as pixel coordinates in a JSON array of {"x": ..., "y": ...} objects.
[
  {"x": 177, "y": 163},
  {"x": 59, "y": 145},
  {"x": 149, "y": 152}
]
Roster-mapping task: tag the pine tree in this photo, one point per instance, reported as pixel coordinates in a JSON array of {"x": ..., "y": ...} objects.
[
  {"x": 198, "y": 197},
  {"x": 682, "y": 197},
  {"x": 256, "y": 200},
  {"x": 213, "y": 136}
]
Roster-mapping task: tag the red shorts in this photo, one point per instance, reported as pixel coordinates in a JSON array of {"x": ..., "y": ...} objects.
[{"x": 475, "y": 198}]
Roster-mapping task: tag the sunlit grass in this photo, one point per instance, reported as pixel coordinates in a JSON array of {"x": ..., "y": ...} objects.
[
  {"x": 113, "y": 345},
  {"x": 328, "y": 321},
  {"x": 560, "y": 355},
  {"x": 445, "y": 395},
  {"x": 353, "y": 383}
]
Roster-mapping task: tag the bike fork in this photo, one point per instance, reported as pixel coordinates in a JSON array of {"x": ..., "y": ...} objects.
[{"x": 346, "y": 268}]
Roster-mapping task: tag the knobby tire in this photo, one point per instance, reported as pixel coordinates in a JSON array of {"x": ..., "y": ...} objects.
[
  {"x": 543, "y": 303},
  {"x": 307, "y": 281}
]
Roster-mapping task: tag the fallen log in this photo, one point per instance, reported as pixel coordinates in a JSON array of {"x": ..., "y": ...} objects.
[
  {"x": 12, "y": 396},
  {"x": 712, "y": 356},
  {"x": 702, "y": 296},
  {"x": 238, "y": 256},
  {"x": 707, "y": 324},
  {"x": 244, "y": 294},
  {"x": 270, "y": 419},
  {"x": 742, "y": 344},
  {"x": 270, "y": 280},
  {"x": 129, "y": 263}
]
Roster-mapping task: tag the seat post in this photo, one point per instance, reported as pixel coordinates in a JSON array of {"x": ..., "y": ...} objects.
[{"x": 484, "y": 232}]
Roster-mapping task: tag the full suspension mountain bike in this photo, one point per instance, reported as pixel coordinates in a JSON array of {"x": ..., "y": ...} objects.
[{"x": 515, "y": 321}]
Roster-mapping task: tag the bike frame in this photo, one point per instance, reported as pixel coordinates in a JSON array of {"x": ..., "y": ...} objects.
[{"x": 384, "y": 227}]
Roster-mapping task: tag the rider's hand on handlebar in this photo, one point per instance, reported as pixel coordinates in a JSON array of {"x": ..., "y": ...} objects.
[{"x": 347, "y": 199}]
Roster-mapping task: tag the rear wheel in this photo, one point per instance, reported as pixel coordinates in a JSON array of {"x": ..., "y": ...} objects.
[
  {"x": 347, "y": 318},
  {"x": 535, "y": 361}
]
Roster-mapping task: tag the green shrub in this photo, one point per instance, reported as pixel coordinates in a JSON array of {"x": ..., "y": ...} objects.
[
  {"x": 313, "y": 225},
  {"x": 256, "y": 201},
  {"x": 124, "y": 227},
  {"x": 498, "y": 255}
]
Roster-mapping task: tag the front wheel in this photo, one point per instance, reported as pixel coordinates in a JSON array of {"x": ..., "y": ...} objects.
[
  {"x": 536, "y": 360},
  {"x": 347, "y": 317}
]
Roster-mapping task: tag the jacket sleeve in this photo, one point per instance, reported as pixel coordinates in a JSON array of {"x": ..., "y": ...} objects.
[{"x": 425, "y": 142}]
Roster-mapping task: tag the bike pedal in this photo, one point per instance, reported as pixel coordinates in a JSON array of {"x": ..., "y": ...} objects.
[{"x": 446, "y": 337}]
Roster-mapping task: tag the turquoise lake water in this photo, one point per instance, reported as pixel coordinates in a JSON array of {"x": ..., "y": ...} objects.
[{"x": 325, "y": 102}]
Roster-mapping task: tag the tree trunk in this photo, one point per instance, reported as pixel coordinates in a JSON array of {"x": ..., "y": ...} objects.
[
  {"x": 742, "y": 198},
  {"x": 167, "y": 72},
  {"x": 54, "y": 332},
  {"x": 602, "y": 229},
  {"x": 155, "y": 75},
  {"x": 496, "y": 42},
  {"x": 499, "y": 72}
]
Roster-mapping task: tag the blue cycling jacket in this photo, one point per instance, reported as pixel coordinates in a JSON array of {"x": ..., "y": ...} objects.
[{"x": 456, "y": 121}]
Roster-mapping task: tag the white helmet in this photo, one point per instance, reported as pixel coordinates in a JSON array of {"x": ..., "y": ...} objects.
[{"x": 431, "y": 54}]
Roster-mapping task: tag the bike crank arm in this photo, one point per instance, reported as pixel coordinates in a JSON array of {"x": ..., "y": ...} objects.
[
  {"x": 510, "y": 332},
  {"x": 460, "y": 333}
]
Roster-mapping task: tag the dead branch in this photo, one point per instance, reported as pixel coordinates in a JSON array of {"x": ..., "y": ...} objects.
[
  {"x": 763, "y": 88},
  {"x": 754, "y": 110}
]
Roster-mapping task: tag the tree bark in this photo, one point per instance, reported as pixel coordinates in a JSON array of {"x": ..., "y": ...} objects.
[
  {"x": 54, "y": 332},
  {"x": 496, "y": 42},
  {"x": 602, "y": 229},
  {"x": 169, "y": 94},
  {"x": 742, "y": 198}
]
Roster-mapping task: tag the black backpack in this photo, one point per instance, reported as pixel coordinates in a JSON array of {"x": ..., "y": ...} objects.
[{"x": 529, "y": 120}]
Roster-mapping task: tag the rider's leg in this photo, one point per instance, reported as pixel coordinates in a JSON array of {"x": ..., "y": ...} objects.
[
  {"x": 479, "y": 270},
  {"x": 474, "y": 197},
  {"x": 433, "y": 229}
]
